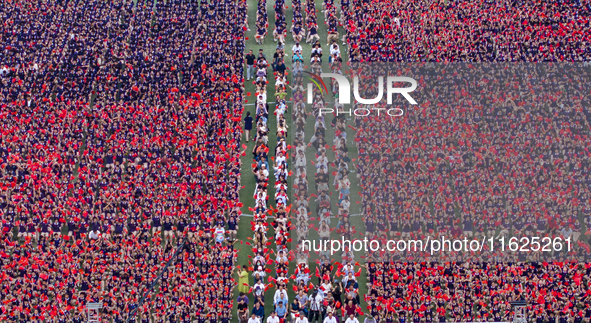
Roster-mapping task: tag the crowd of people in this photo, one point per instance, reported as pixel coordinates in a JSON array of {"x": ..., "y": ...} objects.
[
  {"x": 120, "y": 161},
  {"x": 121, "y": 129},
  {"x": 475, "y": 31},
  {"x": 262, "y": 21},
  {"x": 480, "y": 156},
  {"x": 490, "y": 150}
]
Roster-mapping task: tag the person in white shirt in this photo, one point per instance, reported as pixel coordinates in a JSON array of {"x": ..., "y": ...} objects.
[
  {"x": 300, "y": 159},
  {"x": 262, "y": 196},
  {"x": 324, "y": 231},
  {"x": 265, "y": 171},
  {"x": 352, "y": 319},
  {"x": 334, "y": 49},
  {"x": 259, "y": 270},
  {"x": 301, "y": 318},
  {"x": 282, "y": 279},
  {"x": 281, "y": 258},
  {"x": 348, "y": 269},
  {"x": 281, "y": 198},
  {"x": 322, "y": 161},
  {"x": 335, "y": 52},
  {"x": 258, "y": 289},
  {"x": 345, "y": 205},
  {"x": 260, "y": 225},
  {"x": 344, "y": 183},
  {"x": 93, "y": 234},
  {"x": 219, "y": 234},
  {"x": 330, "y": 318},
  {"x": 280, "y": 159},
  {"x": 315, "y": 307},
  {"x": 281, "y": 107},
  {"x": 302, "y": 214},
  {"x": 349, "y": 277},
  {"x": 254, "y": 319},
  {"x": 262, "y": 98},
  {"x": 326, "y": 287},
  {"x": 317, "y": 50},
  {"x": 280, "y": 186},
  {"x": 273, "y": 318},
  {"x": 296, "y": 47}
]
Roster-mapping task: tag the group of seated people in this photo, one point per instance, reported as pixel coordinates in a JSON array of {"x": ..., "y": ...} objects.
[
  {"x": 490, "y": 151},
  {"x": 298, "y": 32},
  {"x": 261, "y": 21},
  {"x": 120, "y": 171},
  {"x": 497, "y": 164},
  {"x": 477, "y": 292},
  {"x": 119, "y": 149},
  {"x": 280, "y": 31},
  {"x": 467, "y": 31}
]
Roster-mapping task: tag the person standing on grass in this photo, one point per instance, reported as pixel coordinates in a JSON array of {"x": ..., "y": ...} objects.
[
  {"x": 247, "y": 125},
  {"x": 243, "y": 285},
  {"x": 315, "y": 307},
  {"x": 250, "y": 58},
  {"x": 303, "y": 301}
]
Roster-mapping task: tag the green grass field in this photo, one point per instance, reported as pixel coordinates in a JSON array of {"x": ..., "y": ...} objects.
[{"x": 248, "y": 182}]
